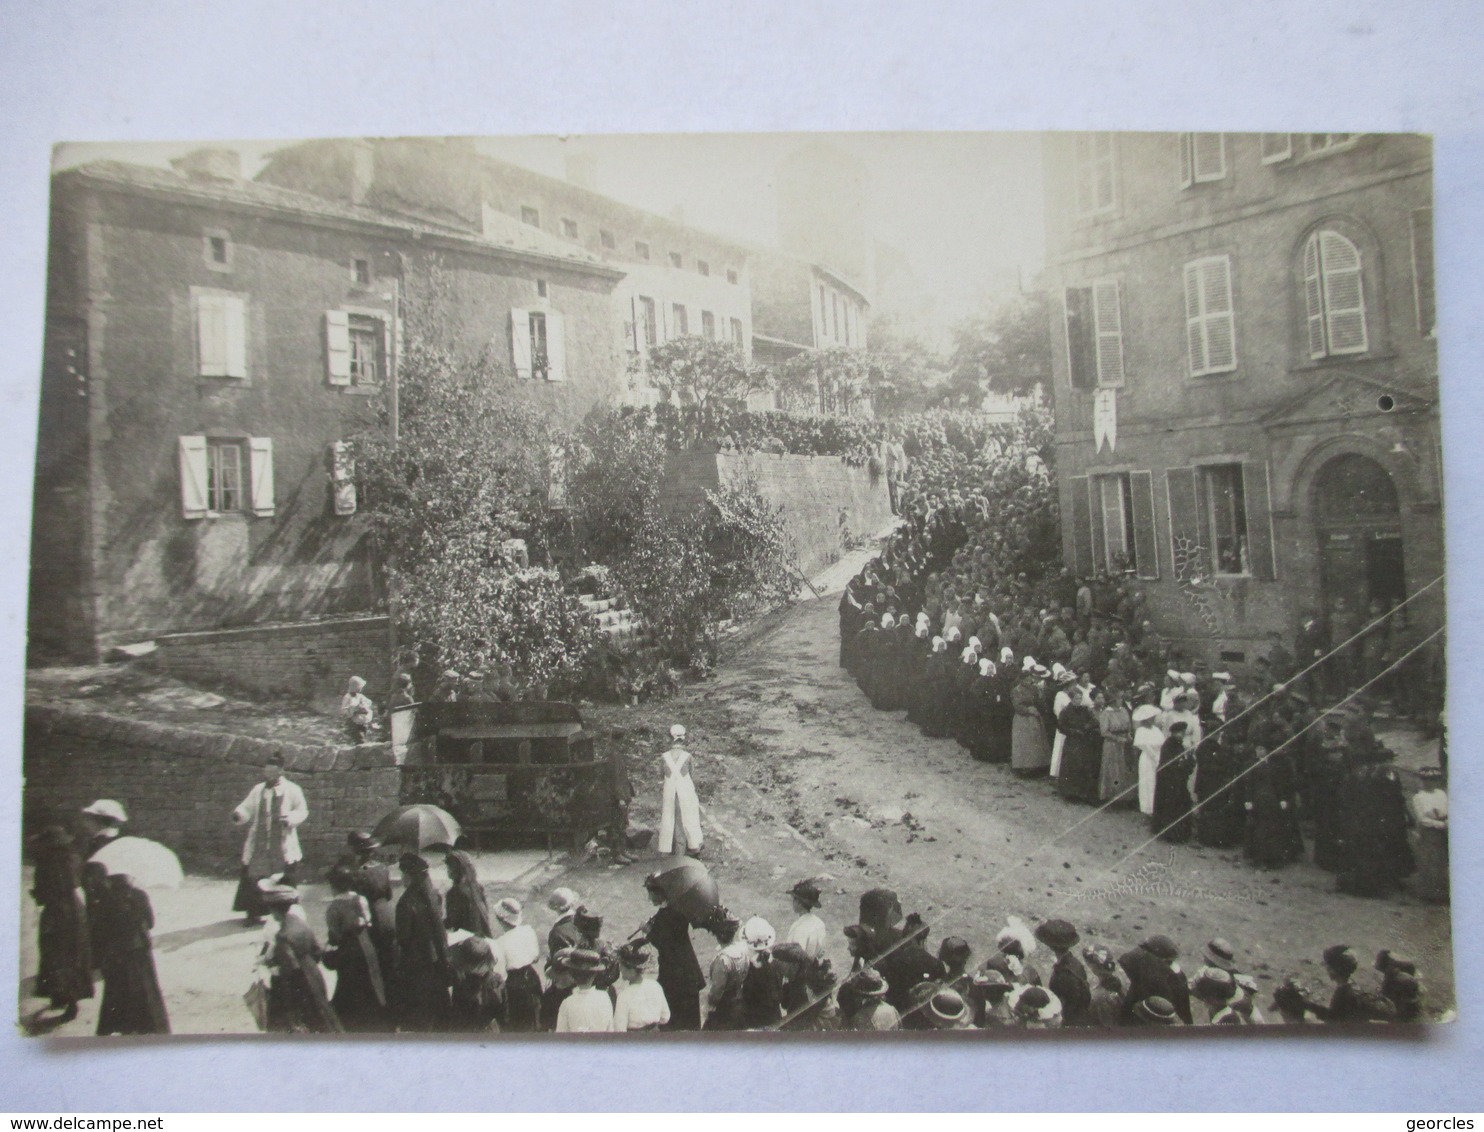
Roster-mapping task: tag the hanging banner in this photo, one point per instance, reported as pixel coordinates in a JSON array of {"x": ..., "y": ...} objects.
[{"x": 1105, "y": 418}]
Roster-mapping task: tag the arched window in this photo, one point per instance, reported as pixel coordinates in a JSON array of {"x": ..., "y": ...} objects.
[{"x": 1334, "y": 296}]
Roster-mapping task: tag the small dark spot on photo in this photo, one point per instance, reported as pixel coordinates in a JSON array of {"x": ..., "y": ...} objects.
[{"x": 1386, "y": 402}]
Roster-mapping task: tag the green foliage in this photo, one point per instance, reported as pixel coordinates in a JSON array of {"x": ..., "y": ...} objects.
[
  {"x": 613, "y": 483},
  {"x": 755, "y": 564},
  {"x": 1007, "y": 350},
  {"x": 705, "y": 373},
  {"x": 667, "y": 578}
]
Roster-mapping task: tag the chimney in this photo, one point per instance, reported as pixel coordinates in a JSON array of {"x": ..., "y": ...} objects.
[
  {"x": 582, "y": 170},
  {"x": 210, "y": 164}
]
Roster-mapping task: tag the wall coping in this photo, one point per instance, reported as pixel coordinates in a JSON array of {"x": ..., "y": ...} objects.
[
  {"x": 219, "y": 746},
  {"x": 284, "y": 628}
]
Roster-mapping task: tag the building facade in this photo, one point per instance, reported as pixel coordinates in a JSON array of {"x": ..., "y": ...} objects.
[
  {"x": 1245, "y": 378},
  {"x": 211, "y": 342}
]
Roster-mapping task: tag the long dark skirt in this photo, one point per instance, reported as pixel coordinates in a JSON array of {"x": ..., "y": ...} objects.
[
  {"x": 423, "y": 1000},
  {"x": 356, "y": 1002},
  {"x": 297, "y": 1004},
  {"x": 523, "y": 1001},
  {"x": 685, "y": 1007},
  {"x": 64, "y": 973},
  {"x": 1172, "y": 820},
  {"x": 132, "y": 1002},
  {"x": 997, "y": 741},
  {"x": 1081, "y": 767}
]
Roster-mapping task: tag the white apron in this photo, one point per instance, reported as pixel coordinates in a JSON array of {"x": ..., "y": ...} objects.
[
  {"x": 679, "y": 804},
  {"x": 1058, "y": 705}
]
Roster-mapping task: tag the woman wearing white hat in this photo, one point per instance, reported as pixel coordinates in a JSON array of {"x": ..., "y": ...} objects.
[
  {"x": 678, "y": 802},
  {"x": 1148, "y": 739}
]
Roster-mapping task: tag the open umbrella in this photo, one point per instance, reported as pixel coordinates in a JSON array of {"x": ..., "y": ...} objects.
[
  {"x": 689, "y": 888},
  {"x": 417, "y": 827},
  {"x": 147, "y": 863}
]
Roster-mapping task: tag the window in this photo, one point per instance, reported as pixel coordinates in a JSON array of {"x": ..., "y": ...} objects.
[
  {"x": 1276, "y": 147},
  {"x": 1328, "y": 143},
  {"x": 216, "y": 249},
  {"x": 367, "y": 340},
  {"x": 537, "y": 345},
  {"x": 212, "y": 480},
  {"x": 360, "y": 272},
  {"x": 1094, "y": 320},
  {"x": 221, "y": 334},
  {"x": 1095, "y": 174},
  {"x": 1334, "y": 296},
  {"x": 569, "y": 228},
  {"x": 708, "y": 325},
  {"x": 835, "y": 317},
  {"x": 531, "y": 216},
  {"x": 824, "y": 311},
  {"x": 649, "y": 320},
  {"x": 541, "y": 288},
  {"x": 1115, "y": 512},
  {"x": 732, "y": 275},
  {"x": 605, "y": 238},
  {"x": 680, "y": 320},
  {"x": 641, "y": 249},
  {"x": 1210, "y": 323},
  {"x": 1226, "y": 518},
  {"x": 1202, "y": 158},
  {"x": 702, "y": 267},
  {"x": 677, "y": 260},
  {"x": 1422, "y": 272},
  {"x": 737, "y": 331}
]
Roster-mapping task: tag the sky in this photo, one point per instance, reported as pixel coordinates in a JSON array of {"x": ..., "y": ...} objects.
[{"x": 964, "y": 208}]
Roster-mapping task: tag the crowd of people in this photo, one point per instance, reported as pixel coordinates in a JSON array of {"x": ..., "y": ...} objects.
[{"x": 1065, "y": 679}]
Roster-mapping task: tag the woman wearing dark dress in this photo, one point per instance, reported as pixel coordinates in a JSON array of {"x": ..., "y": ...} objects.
[
  {"x": 422, "y": 948},
  {"x": 1082, "y": 751},
  {"x": 478, "y": 996},
  {"x": 373, "y": 880},
  {"x": 1172, "y": 819},
  {"x": 465, "y": 907},
  {"x": 1272, "y": 817},
  {"x": 297, "y": 1001},
  {"x": 132, "y": 1003},
  {"x": 1221, "y": 821},
  {"x": 360, "y": 998},
  {"x": 65, "y": 972},
  {"x": 668, "y": 932},
  {"x": 1375, "y": 853}
]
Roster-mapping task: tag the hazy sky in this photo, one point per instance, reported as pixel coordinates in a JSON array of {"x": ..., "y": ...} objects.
[{"x": 965, "y": 208}]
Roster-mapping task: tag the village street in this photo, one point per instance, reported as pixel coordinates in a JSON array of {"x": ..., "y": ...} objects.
[{"x": 798, "y": 777}]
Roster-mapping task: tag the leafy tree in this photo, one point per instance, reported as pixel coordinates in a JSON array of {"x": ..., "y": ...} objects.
[
  {"x": 905, "y": 371},
  {"x": 617, "y": 465},
  {"x": 833, "y": 381},
  {"x": 1007, "y": 350},
  {"x": 705, "y": 373}
]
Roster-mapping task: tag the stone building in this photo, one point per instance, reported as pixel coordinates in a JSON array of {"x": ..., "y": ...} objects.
[
  {"x": 209, "y": 342},
  {"x": 1246, "y": 383}
]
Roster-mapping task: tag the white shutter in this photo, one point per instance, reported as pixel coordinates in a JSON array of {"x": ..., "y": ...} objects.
[
  {"x": 1210, "y": 156},
  {"x": 1313, "y": 297},
  {"x": 1344, "y": 297},
  {"x": 211, "y": 336},
  {"x": 1276, "y": 147},
  {"x": 1210, "y": 325},
  {"x": 520, "y": 343},
  {"x": 556, "y": 348},
  {"x": 1108, "y": 321},
  {"x": 234, "y": 313},
  {"x": 192, "y": 450},
  {"x": 260, "y": 468},
  {"x": 337, "y": 347},
  {"x": 1195, "y": 337}
]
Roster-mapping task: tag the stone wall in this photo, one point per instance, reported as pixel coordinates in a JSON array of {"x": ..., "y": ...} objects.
[
  {"x": 180, "y": 786},
  {"x": 308, "y": 662},
  {"x": 812, "y": 490}
]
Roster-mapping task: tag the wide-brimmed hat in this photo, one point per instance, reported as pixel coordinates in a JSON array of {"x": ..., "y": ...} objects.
[
  {"x": 1219, "y": 954},
  {"x": 947, "y": 1007},
  {"x": 759, "y": 934},
  {"x": 562, "y": 900},
  {"x": 108, "y": 810},
  {"x": 1040, "y": 671},
  {"x": 276, "y": 894},
  {"x": 880, "y": 906},
  {"x": 580, "y": 960},
  {"x": 1034, "y": 1004},
  {"x": 1100, "y": 959},
  {"x": 1341, "y": 958},
  {"x": 954, "y": 949},
  {"x": 1212, "y": 984},
  {"x": 806, "y": 892},
  {"x": 1161, "y": 947},
  {"x": 1156, "y": 1011},
  {"x": 1388, "y": 960},
  {"x": 635, "y": 955},
  {"x": 1016, "y": 931},
  {"x": 1145, "y": 712},
  {"x": 362, "y": 841},
  {"x": 868, "y": 983},
  {"x": 1067, "y": 677},
  {"x": 508, "y": 911},
  {"x": 587, "y": 921},
  {"x": 412, "y": 863},
  {"x": 990, "y": 981},
  {"x": 1057, "y": 934}
]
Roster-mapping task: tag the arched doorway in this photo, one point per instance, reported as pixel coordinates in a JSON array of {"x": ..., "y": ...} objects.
[{"x": 1357, "y": 519}]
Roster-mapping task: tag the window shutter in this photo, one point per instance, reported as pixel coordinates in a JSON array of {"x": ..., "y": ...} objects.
[
  {"x": 1195, "y": 336},
  {"x": 1184, "y": 522},
  {"x": 1210, "y": 156},
  {"x": 1081, "y": 525},
  {"x": 1422, "y": 271},
  {"x": 192, "y": 451},
  {"x": 235, "y": 315},
  {"x": 1097, "y": 517},
  {"x": 1109, "y": 323},
  {"x": 337, "y": 347},
  {"x": 1313, "y": 297},
  {"x": 520, "y": 343},
  {"x": 1276, "y": 147},
  {"x": 556, "y": 348},
  {"x": 1344, "y": 298},
  {"x": 1187, "y": 161},
  {"x": 260, "y": 468},
  {"x": 1221, "y": 331},
  {"x": 1081, "y": 341},
  {"x": 1146, "y": 544},
  {"x": 636, "y": 331},
  {"x": 211, "y": 336},
  {"x": 1204, "y": 535},
  {"x": 1257, "y": 498}
]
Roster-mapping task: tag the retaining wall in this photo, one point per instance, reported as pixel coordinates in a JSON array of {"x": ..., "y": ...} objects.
[
  {"x": 180, "y": 786},
  {"x": 307, "y": 662},
  {"x": 812, "y": 490}
]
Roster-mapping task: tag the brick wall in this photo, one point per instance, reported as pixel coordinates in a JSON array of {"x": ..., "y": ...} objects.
[
  {"x": 810, "y": 489},
  {"x": 308, "y": 662},
  {"x": 180, "y": 786}
]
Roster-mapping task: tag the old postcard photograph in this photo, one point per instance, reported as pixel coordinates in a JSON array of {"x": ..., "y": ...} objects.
[{"x": 656, "y": 584}]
